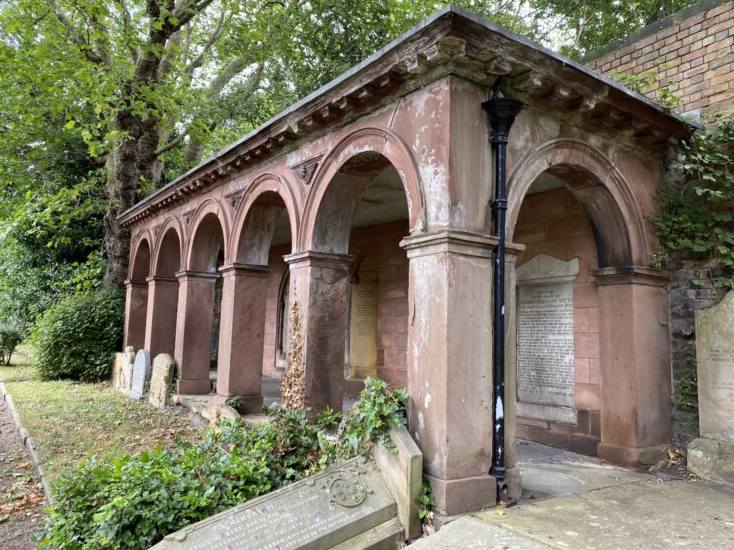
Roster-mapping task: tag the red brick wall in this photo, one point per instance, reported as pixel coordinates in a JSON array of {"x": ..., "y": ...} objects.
[
  {"x": 554, "y": 223},
  {"x": 696, "y": 47},
  {"x": 376, "y": 248}
]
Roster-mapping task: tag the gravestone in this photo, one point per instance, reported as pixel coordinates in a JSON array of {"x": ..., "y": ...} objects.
[
  {"x": 363, "y": 327},
  {"x": 545, "y": 339},
  {"x": 160, "y": 380},
  {"x": 711, "y": 456},
  {"x": 117, "y": 369},
  {"x": 126, "y": 370},
  {"x": 141, "y": 374},
  {"x": 328, "y": 509}
]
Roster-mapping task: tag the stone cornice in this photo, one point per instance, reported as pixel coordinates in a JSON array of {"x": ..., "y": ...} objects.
[{"x": 452, "y": 42}]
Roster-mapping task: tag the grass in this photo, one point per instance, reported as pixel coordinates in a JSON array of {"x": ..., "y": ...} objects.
[{"x": 70, "y": 420}]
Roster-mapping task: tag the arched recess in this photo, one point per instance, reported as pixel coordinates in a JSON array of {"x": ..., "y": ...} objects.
[
  {"x": 199, "y": 302},
  {"x": 264, "y": 231},
  {"x": 600, "y": 188},
  {"x": 137, "y": 292},
  {"x": 368, "y": 149},
  {"x": 160, "y": 336}
]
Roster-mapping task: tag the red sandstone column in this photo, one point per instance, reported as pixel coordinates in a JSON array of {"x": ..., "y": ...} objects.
[
  {"x": 135, "y": 311},
  {"x": 635, "y": 364},
  {"x": 241, "y": 335},
  {"x": 450, "y": 365},
  {"x": 319, "y": 285},
  {"x": 192, "y": 352},
  {"x": 160, "y": 326}
]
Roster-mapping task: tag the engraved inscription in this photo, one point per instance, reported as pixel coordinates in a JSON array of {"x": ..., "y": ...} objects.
[
  {"x": 363, "y": 328},
  {"x": 545, "y": 343}
]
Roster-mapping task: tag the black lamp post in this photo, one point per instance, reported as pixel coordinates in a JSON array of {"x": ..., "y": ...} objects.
[{"x": 502, "y": 112}]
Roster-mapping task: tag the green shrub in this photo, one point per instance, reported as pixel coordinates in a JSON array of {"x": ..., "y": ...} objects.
[
  {"x": 10, "y": 337},
  {"x": 77, "y": 337},
  {"x": 135, "y": 501}
]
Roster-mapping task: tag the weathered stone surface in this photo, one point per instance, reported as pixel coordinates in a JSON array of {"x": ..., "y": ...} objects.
[
  {"x": 321, "y": 511},
  {"x": 117, "y": 369},
  {"x": 545, "y": 339},
  {"x": 402, "y": 471},
  {"x": 126, "y": 370},
  {"x": 160, "y": 380},
  {"x": 715, "y": 358},
  {"x": 469, "y": 533},
  {"x": 141, "y": 374},
  {"x": 712, "y": 459},
  {"x": 386, "y": 536},
  {"x": 363, "y": 327}
]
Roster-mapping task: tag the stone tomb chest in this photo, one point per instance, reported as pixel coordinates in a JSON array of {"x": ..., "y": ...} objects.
[
  {"x": 711, "y": 456},
  {"x": 545, "y": 339}
]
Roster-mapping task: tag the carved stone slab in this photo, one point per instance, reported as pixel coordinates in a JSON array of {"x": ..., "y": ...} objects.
[
  {"x": 318, "y": 512},
  {"x": 141, "y": 374},
  {"x": 126, "y": 369},
  {"x": 160, "y": 380}
]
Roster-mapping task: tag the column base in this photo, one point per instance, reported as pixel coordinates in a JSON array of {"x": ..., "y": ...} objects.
[
  {"x": 194, "y": 387},
  {"x": 712, "y": 459},
  {"x": 630, "y": 456},
  {"x": 513, "y": 478},
  {"x": 249, "y": 404},
  {"x": 467, "y": 494}
]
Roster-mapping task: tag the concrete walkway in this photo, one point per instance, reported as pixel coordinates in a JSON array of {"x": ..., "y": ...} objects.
[{"x": 575, "y": 502}]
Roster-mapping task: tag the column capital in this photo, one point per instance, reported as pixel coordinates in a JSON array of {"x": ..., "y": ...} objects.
[
  {"x": 631, "y": 275},
  {"x": 161, "y": 280},
  {"x": 450, "y": 241},
  {"x": 313, "y": 258},
  {"x": 237, "y": 269},
  {"x": 188, "y": 275},
  {"x": 135, "y": 283}
]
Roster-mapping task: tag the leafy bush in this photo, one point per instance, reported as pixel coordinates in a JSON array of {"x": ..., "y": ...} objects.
[
  {"x": 135, "y": 501},
  {"x": 10, "y": 337},
  {"x": 77, "y": 337}
]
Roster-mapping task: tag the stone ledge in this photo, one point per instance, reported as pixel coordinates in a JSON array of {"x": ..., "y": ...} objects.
[{"x": 712, "y": 459}]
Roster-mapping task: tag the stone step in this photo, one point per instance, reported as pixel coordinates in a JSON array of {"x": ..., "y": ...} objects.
[
  {"x": 386, "y": 536},
  {"x": 468, "y": 533}
]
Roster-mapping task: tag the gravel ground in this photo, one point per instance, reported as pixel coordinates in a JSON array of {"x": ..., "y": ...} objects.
[{"x": 21, "y": 495}]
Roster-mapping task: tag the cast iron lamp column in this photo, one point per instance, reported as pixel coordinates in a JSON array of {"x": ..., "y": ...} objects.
[{"x": 502, "y": 112}]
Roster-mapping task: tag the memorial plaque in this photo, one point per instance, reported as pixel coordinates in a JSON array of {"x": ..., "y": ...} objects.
[
  {"x": 363, "y": 327},
  {"x": 545, "y": 339},
  {"x": 160, "y": 380},
  {"x": 320, "y": 511},
  {"x": 141, "y": 374},
  {"x": 715, "y": 358}
]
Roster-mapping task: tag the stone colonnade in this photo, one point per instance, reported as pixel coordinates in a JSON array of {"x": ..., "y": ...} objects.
[{"x": 436, "y": 139}]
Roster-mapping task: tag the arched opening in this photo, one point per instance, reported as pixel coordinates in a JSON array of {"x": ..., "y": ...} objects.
[
  {"x": 137, "y": 296},
  {"x": 200, "y": 299},
  {"x": 360, "y": 222},
  {"x": 254, "y": 329},
  {"x": 160, "y": 335},
  {"x": 570, "y": 226}
]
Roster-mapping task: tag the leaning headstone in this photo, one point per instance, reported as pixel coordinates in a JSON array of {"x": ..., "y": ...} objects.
[
  {"x": 126, "y": 371},
  {"x": 141, "y": 374},
  {"x": 711, "y": 456},
  {"x": 160, "y": 380},
  {"x": 322, "y": 511}
]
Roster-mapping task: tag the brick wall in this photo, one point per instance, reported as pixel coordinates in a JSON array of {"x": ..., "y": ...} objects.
[
  {"x": 555, "y": 224},
  {"x": 376, "y": 248},
  {"x": 692, "y": 49}
]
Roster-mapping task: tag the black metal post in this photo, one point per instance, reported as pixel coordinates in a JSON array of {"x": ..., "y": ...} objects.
[{"x": 502, "y": 113}]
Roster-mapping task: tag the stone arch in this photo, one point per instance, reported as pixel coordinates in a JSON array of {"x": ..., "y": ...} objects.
[
  {"x": 140, "y": 256},
  {"x": 169, "y": 249},
  {"x": 209, "y": 233},
  {"x": 371, "y": 145},
  {"x": 254, "y": 222},
  {"x": 600, "y": 188}
]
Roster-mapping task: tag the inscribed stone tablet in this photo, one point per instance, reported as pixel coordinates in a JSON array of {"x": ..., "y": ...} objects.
[
  {"x": 320, "y": 511},
  {"x": 363, "y": 327},
  {"x": 160, "y": 380},
  {"x": 715, "y": 358},
  {"x": 126, "y": 372},
  {"x": 545, "y": 338},
  {"x": 117, "y": 369},
  {"x": 141, "y": 374}
]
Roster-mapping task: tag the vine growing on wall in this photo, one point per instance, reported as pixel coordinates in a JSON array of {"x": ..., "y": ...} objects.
[{"x": 697, "y": 215}]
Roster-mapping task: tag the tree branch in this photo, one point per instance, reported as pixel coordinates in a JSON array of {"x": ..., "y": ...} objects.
[
  {"x": 171, "y": 144},
  {"x": 76, "y": 35},
  {"x": 195, "y": 63}
]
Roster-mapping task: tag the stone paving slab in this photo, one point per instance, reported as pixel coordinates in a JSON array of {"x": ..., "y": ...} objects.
[
  {"x": 469, "y": 533},
  {"x": 644, "y": 515}
]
